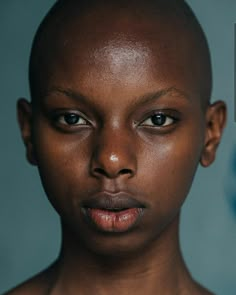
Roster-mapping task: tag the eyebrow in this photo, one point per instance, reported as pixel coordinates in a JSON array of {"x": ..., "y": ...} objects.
[
  {"x": 147, "y": 98},
  {"x": 144, "y": 99},
  {"x": 69, "y": 93}
]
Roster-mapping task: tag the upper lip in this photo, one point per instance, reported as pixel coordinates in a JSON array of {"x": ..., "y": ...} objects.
[{"x": 117, "y": 201}]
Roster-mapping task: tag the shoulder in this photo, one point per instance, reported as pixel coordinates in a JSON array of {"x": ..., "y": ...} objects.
[
  {"x": 37, "y": 285},
  {"x": 194, "y": 288},
  {"x": 32, "y": 286},
  {"x": 200, "y": 290}
]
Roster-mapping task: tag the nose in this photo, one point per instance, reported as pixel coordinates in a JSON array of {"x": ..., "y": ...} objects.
[{"x": 113, "y": 156}]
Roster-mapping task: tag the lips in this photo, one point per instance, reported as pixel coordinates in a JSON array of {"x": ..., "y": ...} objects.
[{"x": 112, "y": 212}]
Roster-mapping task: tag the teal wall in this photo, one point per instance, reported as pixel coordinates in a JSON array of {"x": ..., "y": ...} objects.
[{"x": 29, "y": 228}]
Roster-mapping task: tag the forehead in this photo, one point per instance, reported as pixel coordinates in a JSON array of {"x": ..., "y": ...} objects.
[
  {"x": 124, "y": 50},
  {"x": 119, "y": 52}
]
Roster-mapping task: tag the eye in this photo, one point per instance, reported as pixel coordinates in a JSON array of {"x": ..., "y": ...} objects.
[
  {"x": 159, "y": 120},
  {"x": 72, "y": 119}
]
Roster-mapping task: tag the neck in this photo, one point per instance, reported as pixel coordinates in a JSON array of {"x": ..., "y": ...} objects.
[{"x": 157, "y": 269}]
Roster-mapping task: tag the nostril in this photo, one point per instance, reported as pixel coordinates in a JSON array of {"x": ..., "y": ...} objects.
[
  {"x": 125, "y": 171},
  {"x": 100, "y": 171}
]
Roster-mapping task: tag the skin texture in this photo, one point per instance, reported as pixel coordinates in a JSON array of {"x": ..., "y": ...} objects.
[{"x": 113, "y": 82}]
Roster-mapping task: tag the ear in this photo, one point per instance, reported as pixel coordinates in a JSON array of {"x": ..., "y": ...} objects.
[
  {"x": 215, "y": 123},
  {"x": 24, "y": 112}
]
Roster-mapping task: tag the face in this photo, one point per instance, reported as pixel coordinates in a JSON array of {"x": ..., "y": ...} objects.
[{"x": 117, "y": 136}]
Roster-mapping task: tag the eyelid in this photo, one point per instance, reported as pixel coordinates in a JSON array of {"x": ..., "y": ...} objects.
[
  {"x": 166, "y": 123},
  {"x": 169, "y": 113},
  {"x": 62, "y": 118},
  {"x": 57, "y": 114}
]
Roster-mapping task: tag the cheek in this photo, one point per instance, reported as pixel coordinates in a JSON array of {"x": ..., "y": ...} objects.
[
  {"x": 63, "y": 166},
  {"x": 168, "y": 168}
]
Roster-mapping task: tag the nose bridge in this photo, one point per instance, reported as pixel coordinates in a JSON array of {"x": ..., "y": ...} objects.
[{"x": 113, "y": 153}]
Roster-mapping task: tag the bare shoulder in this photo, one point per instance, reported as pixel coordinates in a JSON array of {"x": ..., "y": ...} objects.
[
  {"x": 206, "y": 292},
  {"x": 200, "y": 290},
  {"x": 194, "y": 288},
  {"x": 37, "y": 285}
]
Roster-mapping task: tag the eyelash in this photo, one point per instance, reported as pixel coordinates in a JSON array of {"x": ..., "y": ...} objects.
[
  {"x": 155, "y": 120},
  {"x": 62, "y": 119},
  {"x": 162, "y": 120}
]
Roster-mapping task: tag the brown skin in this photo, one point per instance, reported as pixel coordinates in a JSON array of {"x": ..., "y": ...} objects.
[{"x": 109, "y": 80}]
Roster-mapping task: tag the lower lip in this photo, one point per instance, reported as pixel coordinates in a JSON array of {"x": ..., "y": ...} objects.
[{"x": 110, "y": 221}]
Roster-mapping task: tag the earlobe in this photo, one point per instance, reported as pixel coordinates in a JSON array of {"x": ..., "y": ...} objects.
[
  {"x": 215, "y": 123},
  {"x": 24, "y": 114}
]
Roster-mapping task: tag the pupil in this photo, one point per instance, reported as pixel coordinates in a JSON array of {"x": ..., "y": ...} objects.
[
  {"x": 71, "y": 118},
  {"x": 159, "y": 119}
]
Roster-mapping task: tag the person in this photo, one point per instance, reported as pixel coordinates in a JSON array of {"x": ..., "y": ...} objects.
[{"x": 119, "y": 119}]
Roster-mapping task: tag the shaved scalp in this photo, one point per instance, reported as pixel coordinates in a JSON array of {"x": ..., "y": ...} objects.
[{"x": 53, "y": 30}]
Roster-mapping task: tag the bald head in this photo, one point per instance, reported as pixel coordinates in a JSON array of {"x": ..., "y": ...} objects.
[{"x": 168, "y": 28}]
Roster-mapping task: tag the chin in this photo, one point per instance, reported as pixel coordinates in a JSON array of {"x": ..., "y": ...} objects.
[
  {"x": 118, "y": 246},
  {"x": 110, "y": 244}
]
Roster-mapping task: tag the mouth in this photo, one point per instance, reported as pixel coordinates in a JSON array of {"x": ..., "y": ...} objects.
[{"x": 113, "y": 212}]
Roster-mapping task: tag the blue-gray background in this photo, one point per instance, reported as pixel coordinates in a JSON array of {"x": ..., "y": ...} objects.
[{"x": 29, "y": 228}]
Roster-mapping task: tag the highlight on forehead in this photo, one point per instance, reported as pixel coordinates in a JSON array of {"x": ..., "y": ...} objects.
[{"x": 140, "y": 11}]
